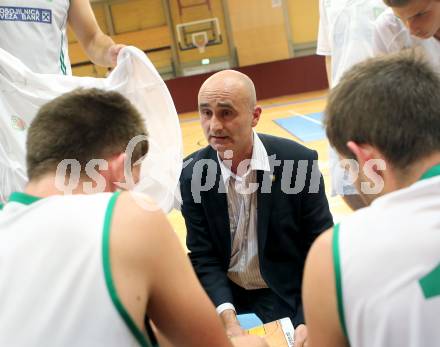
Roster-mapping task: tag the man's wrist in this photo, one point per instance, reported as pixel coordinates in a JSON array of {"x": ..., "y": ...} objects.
[{"x": 225, "y": 306}]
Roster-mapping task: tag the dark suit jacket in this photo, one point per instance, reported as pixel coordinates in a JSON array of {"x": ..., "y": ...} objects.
[{"x": 287, "y": 222}]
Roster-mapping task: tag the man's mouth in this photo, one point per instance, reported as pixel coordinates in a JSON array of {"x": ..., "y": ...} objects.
[{"x": 216, "y": 137}]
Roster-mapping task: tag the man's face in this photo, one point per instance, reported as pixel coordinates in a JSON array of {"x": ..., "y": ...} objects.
[
  {"x": 227, "y": 116},
  {"x": 421, "y": 17}
]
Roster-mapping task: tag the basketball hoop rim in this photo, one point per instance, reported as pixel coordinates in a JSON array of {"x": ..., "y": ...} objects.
[{"x": 200, "y": 45}]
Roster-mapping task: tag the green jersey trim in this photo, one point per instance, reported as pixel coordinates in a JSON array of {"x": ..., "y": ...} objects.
[
  {"x": 431, "y": 283},
  {"x": 23, "y": 198},
  {"x": 338, "y": 278},
  {"x": 140, "y": 337},
  {"x": 62, "y": 63},
  {"x": 432, "y": 172}
]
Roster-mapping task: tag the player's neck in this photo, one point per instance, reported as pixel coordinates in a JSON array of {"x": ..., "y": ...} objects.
[
  {"x": 48, "y": 185},
  {"x": 414, "y": 173}
]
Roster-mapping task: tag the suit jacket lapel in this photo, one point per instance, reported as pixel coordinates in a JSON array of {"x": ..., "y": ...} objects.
[
  {"x": 265, "y": 180},
  {"x": 217, "y": 204},
  {"x": 264, "y": 201}
]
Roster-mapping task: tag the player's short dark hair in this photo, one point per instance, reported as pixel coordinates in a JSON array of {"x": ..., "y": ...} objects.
[{"x": 84, "y": 124}]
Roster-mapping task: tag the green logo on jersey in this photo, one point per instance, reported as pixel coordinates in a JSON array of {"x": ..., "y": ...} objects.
[{"x": 431, "y": 283}]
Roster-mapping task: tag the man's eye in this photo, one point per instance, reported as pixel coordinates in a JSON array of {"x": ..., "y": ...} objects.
[{"x": 206, "y": 113}]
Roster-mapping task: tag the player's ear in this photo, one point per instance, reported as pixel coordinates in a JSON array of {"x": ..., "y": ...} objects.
[
  {"x": 368, "y": 157},
  {"x": 363, "y": 153}
]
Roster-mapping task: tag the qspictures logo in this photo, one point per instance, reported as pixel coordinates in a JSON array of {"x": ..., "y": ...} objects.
[{"x": 25, "y": 14}]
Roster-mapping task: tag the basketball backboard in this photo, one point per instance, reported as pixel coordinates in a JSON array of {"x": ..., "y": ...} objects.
[{"x": 199, "y": 34}]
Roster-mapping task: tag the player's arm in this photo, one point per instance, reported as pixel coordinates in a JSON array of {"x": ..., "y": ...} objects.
[
  {"x": 324, "y": 46},
  {"x": 100, "y": 48},
  {"x": 176, "y": 302},
  {"x": 328, "y": 69},
  {"x": 205, "y": 258},
  {"x": 319, "y": 296}
]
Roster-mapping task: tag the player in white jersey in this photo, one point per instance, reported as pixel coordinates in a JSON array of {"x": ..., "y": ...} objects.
[
  {"x": 410, "y": 24},
  {"x": 345, "y": 38},
  {"x": 83, "y": 268},
  {"x": 35, "y": 32},
  {"x": 375, "y": 279}
]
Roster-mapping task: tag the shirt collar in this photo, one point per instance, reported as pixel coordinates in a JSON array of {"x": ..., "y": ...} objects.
[{"x": 260, "y": 160}]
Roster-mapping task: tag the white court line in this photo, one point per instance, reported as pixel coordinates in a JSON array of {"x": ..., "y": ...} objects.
[{"x": 306, "y": 117}]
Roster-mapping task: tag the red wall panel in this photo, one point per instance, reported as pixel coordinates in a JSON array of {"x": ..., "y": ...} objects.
[{"x": 284, "y": 77}]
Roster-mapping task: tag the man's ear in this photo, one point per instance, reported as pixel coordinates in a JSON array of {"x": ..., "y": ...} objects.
[
  {"x": 363, "y": 153},
  {"x": 256, "y": 115},
  {"x": 367, "y": 156}
]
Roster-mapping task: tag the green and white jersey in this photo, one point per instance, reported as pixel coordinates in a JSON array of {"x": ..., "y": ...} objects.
[
  {"x": 35, "y": 32},
  {"x": 387, "y": 267},
  {"x": 56, "y": 284}
]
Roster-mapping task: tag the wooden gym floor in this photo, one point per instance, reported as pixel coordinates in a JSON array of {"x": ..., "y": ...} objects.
[{"x": 193, "y": 139}]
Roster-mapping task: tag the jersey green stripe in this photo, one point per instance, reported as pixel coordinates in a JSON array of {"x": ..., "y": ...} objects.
[
  {"x": 63, "y": 70},
  {"x": 338, "y": 278},
  {"x": 63, "y": 65},
  {"x": 140, "y": 337},
  {"x": 23, "y": 198},
  {"x": 431, "y": 283},
  {"x": 432, "y": 172}
]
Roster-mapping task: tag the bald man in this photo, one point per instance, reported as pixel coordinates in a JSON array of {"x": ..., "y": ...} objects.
[{"x": 253, "y": 204}]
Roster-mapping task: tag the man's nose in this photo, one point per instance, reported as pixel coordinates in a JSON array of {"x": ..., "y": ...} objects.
[{"x": 216, "y": 125}]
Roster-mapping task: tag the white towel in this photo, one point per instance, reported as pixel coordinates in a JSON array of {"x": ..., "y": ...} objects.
[{"x": 22, "y": 92}]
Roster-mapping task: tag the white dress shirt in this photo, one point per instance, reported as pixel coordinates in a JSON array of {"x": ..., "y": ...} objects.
[{"x": 244, "y": 266}]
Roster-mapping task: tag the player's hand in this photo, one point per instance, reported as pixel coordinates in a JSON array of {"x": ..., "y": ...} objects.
[
  {"x": 248, "y": 341},
  {"x": 113, "y": 52},
  {"x": 301, "y": 336}
]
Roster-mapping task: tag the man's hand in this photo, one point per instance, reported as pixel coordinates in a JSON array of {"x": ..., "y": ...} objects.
[
  {"x": 233, "y": 330},
  {"x": 301, "y": 336},
  {"x": 249, "y": 341},
  {"x": 231, "y": 323},
  {"x": 112, "y": 53}
]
